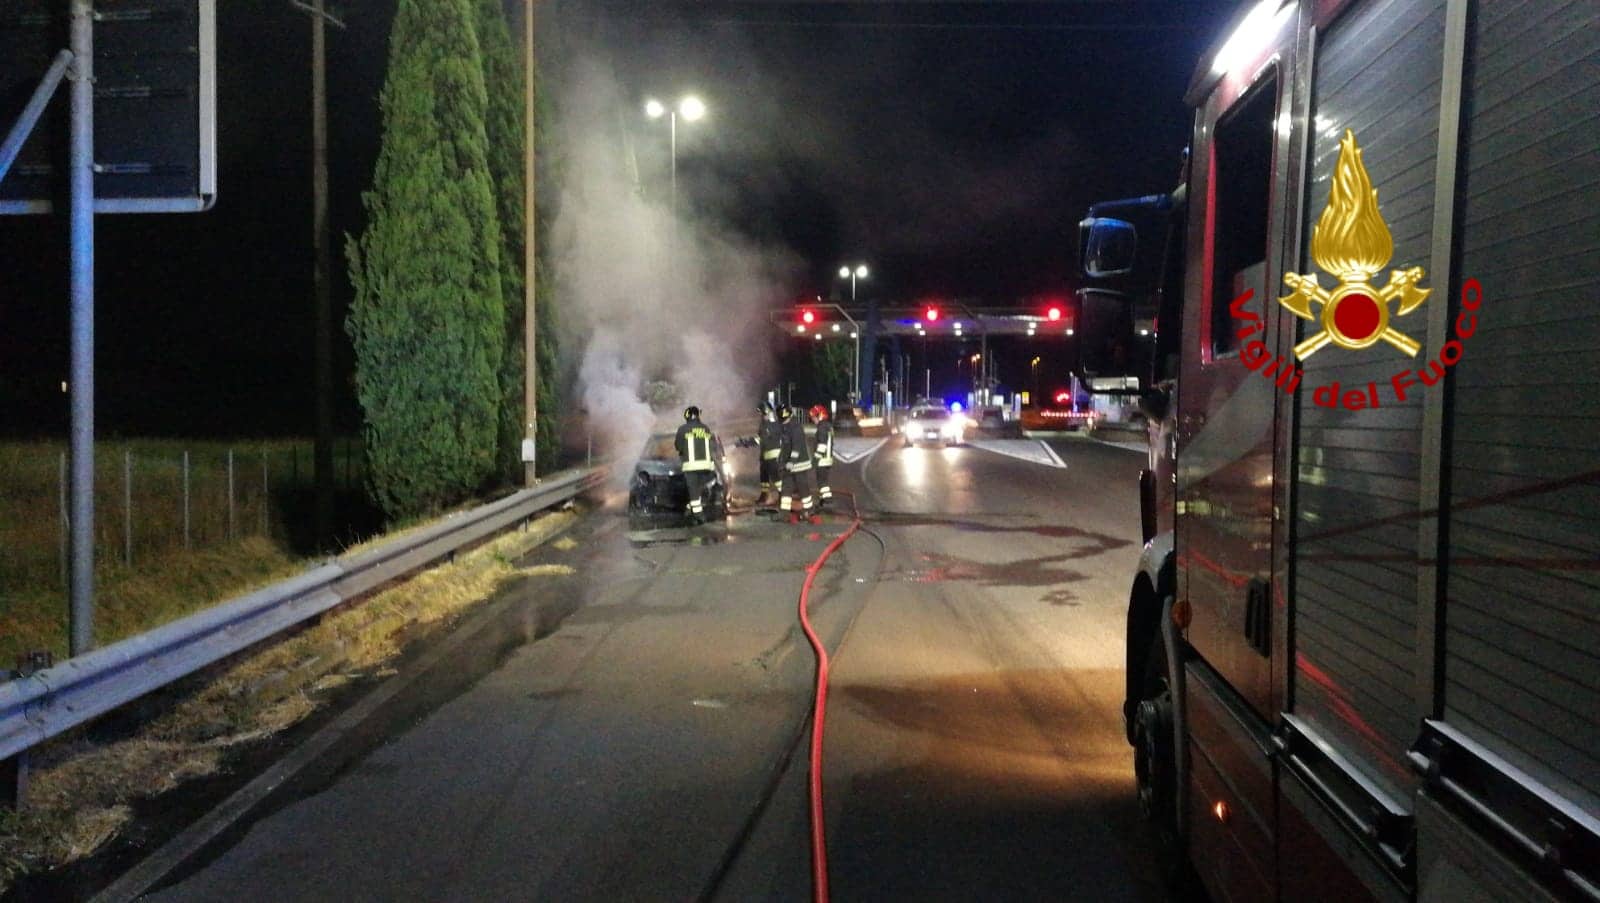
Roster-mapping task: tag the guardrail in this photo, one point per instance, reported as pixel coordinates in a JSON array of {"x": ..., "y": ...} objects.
[{"x": 49, "y": 702}]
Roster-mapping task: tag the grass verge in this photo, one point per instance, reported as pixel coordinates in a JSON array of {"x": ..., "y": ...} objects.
[{"x": 80, "y": 792}]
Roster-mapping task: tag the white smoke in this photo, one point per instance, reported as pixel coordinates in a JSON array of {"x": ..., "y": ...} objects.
[{"x": 647, "y": 295}]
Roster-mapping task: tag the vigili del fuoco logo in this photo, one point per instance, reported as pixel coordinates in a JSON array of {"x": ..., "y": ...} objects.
[{"x": 1352, "y": 243}]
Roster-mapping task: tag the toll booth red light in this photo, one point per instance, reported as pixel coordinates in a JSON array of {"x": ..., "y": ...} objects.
[
  {"x": 808, "y": 317},
  {"x": 1053, "y": 314},
  {"x": 931, "y": 314}
]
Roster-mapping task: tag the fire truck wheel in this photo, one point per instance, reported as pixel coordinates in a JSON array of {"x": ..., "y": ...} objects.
[{"x": 1155, "y": 766}]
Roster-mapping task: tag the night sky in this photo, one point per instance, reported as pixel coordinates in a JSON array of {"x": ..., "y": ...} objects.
[{"x": 953, "y": 146}]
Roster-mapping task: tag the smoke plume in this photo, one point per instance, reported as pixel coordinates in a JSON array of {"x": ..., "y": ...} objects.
[{"x": 650, "y": 291}]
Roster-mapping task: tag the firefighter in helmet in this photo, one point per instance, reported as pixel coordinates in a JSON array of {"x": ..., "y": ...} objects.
[
  {"x": 823, "y": 456},
  {"x": 695, "y": 449},
  {"x": 796, "y": 468},
  {"x": 770, "y": 438}
]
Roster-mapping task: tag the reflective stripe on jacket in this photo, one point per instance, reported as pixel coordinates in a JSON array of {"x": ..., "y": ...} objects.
[
  {"x": 796, "y": 448},
  {"x": 825, "y": 443},
  {"x": 694, "y": 447},
  {"x": 771, "y": 437}
]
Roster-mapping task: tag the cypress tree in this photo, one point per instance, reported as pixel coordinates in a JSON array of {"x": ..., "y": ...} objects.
[{"x": 427, "y": 320}]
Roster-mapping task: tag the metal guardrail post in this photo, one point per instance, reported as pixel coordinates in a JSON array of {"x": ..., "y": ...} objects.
[{"x": 14, "y": 781}]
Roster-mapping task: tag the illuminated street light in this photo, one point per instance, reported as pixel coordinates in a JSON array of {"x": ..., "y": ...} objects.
[
  {"x": 836, "y": 327},
  {"x": 692, "y": 109},
  {"x": 859, "y": 272},
  {"x": 1069, "y": 332}
]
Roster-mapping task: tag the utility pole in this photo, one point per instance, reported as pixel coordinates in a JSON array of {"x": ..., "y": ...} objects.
[
  {"x": 322, "y": 448},
  {"x": 530, "y": 367},
  {"x": 80, "y": 218}
]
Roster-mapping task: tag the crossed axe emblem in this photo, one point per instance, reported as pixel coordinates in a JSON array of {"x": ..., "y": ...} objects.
[{"x": 1352, "y": 242}]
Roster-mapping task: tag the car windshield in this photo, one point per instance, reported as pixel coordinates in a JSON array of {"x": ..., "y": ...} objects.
[
  {"x": 930, "y": 414},
  {"x": 660, "y": 448}
]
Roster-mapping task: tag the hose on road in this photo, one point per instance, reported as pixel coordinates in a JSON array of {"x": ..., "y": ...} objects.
[{"x": 819, "y": 845}]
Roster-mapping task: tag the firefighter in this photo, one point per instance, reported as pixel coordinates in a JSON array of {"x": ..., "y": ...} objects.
[
  {"x": 695, "y": 449},
  {"x": 770, "y": 436},
  {"x": 796, "y": 468},
  {"x": 823, "y": 456}
]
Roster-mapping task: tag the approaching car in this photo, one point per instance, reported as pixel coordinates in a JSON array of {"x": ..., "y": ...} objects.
[
  {"x": 658, "y": 496},
  {"x": 932, "y": 426}
]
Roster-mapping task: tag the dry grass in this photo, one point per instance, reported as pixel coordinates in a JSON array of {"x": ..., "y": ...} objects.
[
  {"x": 168, "y": 576},
  {"x": 80, "y": 794}
]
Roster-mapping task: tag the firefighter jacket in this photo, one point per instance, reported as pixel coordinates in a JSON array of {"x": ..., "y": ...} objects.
[
  {"x": 771, "y": 436},
  {"x": 796, "y": 448},
  {"x": 824, "y": 453},
  {"x": 694, "y": 444}
]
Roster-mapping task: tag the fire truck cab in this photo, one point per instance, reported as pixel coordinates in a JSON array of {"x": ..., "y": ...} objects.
[{"x": 1363, "y": 645}]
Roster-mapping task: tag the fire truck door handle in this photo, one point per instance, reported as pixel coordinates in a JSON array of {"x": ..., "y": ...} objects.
[{"x": 1258, "y": 616}]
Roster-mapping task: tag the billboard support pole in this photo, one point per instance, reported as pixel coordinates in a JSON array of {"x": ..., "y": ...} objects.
[{"x": 81, "y": 380}]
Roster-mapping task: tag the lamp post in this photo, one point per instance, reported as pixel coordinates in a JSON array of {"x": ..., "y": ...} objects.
[
  {"x": 859, "y": 271},
  {"x": 983, "y": 344},
  {"x": 693, "y": 109}
]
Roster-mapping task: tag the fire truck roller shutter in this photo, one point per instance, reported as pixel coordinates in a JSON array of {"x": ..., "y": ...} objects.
[
  {"x": 1522, "y": 625},
  {"x": 1357, "y": 473}
]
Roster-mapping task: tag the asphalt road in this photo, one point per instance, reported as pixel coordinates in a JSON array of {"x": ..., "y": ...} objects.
[{"x": 651, "y": 746}]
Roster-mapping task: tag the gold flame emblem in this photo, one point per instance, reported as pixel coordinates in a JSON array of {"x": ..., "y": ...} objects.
[{"x": 1352, "y": 242}]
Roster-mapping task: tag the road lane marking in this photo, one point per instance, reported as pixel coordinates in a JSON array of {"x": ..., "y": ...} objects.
[
  {"x": 1052, "y": 453},
  {"x": 1033, "y": 451},
  {"x": 850, "y": 449}
]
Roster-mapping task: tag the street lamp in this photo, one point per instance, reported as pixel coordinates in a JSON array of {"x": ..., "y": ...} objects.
[
  {"x": 693, "y": 109},
  {"x": 983, "y": 348},
  {"x": 859, "y": 271},
  {"x": 852, "y": 274}
]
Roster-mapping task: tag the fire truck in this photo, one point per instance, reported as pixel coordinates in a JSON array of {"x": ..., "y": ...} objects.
[{"x": 1363, "y": 642}]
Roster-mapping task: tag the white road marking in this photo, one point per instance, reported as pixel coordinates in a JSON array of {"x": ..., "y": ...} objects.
[
  {"x": 1052, "y": 453},
  {"x": 1033, "y": 451},
  {"x": 850, "y": 449},
  {"x": 1140, "y": 447}
]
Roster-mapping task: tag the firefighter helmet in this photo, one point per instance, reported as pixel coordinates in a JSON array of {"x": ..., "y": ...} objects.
[
  {"x": 691, "y": 413},
  {"x": 818, "y": 412},
  {"x": 785, "y": 412}
]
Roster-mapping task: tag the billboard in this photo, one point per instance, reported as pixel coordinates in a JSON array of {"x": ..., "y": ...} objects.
[{"x": 155, "y": 105}]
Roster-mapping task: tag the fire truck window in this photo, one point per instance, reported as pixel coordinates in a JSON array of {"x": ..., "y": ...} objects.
[{"x": 1243, "y": 149}]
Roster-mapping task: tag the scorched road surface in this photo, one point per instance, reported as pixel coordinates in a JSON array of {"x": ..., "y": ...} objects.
[{"x": 651, "y": 745}]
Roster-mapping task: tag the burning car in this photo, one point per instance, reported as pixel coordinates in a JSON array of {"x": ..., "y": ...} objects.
[{"x": 658, "y": 495}]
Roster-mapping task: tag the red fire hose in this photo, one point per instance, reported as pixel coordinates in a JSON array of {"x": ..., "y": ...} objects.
[{"x": 819, "y": 847}]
